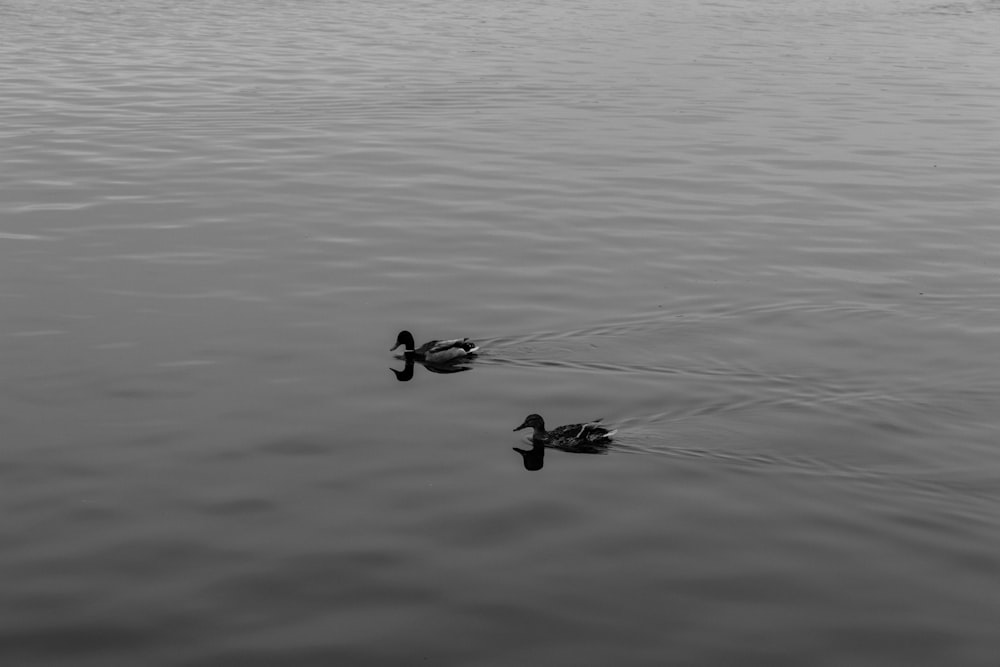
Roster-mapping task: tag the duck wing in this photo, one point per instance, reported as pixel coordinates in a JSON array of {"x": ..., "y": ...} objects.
[
  {"x": 446, "y": 350},
  {"x": 586, "y": 438},
  {"x": 577, "y": 432},
  {"x": 455, "y": 343},
  {"x": 591, "y": 432}
]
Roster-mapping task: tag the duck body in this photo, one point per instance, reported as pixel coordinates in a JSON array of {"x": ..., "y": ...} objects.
[
  {"x": 589, "y": 438},
  {"x": 435, "y": 351}
]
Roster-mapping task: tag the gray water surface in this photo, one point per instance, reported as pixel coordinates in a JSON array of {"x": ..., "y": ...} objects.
[{"x": 758, "y": 238}]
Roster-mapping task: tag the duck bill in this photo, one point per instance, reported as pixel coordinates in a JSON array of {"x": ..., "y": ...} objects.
[
  {"x": 522, "y": 426},
  {"x": 391, "y": 349}
]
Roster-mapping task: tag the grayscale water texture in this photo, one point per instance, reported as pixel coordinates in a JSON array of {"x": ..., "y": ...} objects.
[{"x": 759, "y": 237}]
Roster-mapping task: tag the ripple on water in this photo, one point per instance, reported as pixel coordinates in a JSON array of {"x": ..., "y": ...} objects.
[{"x": 757, "y": 238}]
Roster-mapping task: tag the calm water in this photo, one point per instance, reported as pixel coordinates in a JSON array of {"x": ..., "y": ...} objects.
[{"x": 760, "y": 238}]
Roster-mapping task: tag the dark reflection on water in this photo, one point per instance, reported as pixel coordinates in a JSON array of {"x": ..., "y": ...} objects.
[
  {"x": 534, "y": 458},
  {"x": 406, "y": 374},
  {"x": 758, "y": 238}
]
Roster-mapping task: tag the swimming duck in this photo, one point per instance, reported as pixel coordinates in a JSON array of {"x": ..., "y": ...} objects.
[
  {"x": 589, "y": 437},
  {"x": 435, "y": 351}
]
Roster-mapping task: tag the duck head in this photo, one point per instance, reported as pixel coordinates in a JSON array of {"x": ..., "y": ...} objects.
[
  {"x": 405, "y": 338},
  {"x": 533, "y": 421}
]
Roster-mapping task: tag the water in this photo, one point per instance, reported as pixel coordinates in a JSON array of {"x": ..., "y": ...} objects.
[{"x": 759, "y": 238}]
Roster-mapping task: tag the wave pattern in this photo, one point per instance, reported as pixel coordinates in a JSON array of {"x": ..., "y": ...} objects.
[{"x": 758, "y": 238}]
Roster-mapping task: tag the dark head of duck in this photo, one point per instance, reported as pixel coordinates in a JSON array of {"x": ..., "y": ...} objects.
[
  {"x": 405, "y": 338},
  {"x": 535, "y": 422}
]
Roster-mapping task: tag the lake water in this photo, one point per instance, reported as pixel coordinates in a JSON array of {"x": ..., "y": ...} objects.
[{"x": 760, "y": 238}]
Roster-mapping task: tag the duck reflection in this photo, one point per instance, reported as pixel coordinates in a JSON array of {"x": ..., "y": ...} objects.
[
  {"x": 533, "y": 458},
  {"x": 406, "y": 374}
]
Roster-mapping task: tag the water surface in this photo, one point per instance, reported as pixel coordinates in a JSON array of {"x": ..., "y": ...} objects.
[{"x": 759, "y": 239}]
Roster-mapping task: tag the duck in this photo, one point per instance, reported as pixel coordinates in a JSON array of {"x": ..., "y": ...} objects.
[
  {"x": 589, "y": 437},
  {"x": 435, "y": 351}
]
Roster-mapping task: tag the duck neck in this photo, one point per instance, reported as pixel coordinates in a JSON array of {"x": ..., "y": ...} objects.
[
  {"x": 539, "y": 433},
  {"x": 406, "y": 340}
]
